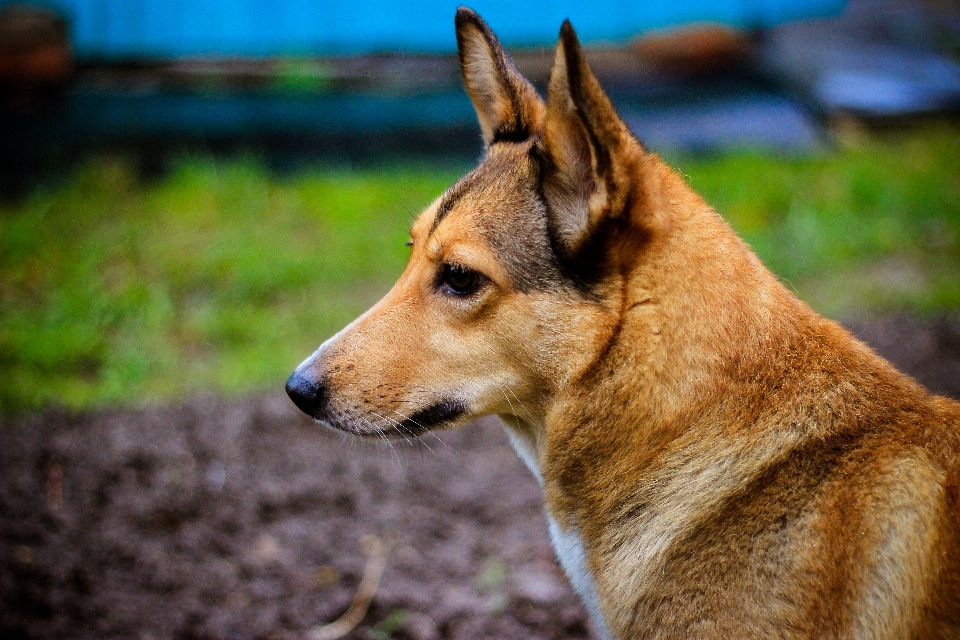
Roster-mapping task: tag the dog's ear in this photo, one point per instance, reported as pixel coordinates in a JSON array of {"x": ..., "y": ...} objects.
[
  {"x": 507, "y": 105},
  {"x": 591, "y": 160}
]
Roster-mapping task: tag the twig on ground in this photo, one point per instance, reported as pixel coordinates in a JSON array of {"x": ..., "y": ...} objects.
[{"x": 377, "y": 550}]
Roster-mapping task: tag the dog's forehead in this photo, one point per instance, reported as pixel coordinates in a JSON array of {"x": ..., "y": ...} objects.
[
  {"x": 498, "y": 187},
  {"x": 498, "y": 204}
]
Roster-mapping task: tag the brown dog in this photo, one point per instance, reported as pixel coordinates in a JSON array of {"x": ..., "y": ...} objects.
[{"x": 717, "y": 460}]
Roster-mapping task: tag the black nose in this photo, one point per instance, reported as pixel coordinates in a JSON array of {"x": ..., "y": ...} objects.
[{"x": 307, "y": 394}]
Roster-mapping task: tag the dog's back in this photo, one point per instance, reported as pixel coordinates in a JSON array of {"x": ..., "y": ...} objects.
[
  {"x": 832, "y": 513},
  {"x": 749, "y": 469}
]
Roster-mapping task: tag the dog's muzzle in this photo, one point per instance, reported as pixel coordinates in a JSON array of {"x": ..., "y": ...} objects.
[{"x": 307, "y": 394}]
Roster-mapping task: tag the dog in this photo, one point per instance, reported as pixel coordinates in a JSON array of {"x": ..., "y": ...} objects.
[{"x": 716, "y": 459}]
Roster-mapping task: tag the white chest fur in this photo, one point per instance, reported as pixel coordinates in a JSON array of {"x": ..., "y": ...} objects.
[
  {"x": 573, "y": 559},
  {"x": 566, "y": 543}
]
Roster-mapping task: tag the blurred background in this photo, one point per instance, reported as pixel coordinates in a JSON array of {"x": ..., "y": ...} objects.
[{"x": 194, "y": 194}]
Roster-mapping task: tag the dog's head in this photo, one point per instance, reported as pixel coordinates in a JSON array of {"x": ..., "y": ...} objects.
[{"x": 515, "y": 279}]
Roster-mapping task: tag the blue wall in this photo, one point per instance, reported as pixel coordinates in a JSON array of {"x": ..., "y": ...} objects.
[{"x": 167, "y": 28}]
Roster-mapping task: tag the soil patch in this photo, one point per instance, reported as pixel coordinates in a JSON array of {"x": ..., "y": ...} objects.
[{"x": 240, "y": 519}]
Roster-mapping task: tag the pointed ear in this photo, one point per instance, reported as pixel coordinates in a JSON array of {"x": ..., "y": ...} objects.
[
  {"x": 507, "y": 105},
  {"x": 592, "y": 161}
]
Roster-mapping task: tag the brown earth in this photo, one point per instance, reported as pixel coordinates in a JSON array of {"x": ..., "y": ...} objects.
[{"x": 240, "y": 519}]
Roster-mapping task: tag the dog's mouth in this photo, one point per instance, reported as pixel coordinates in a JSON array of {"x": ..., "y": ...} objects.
[
  {"x": 435, "y": 415},
  {"x": 370, "y": 423}
]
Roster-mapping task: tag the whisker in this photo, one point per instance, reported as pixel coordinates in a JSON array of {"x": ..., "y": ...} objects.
[
  {"x": 415, "y": 435},
  {"x": 380, "y": 432},
  {"x": 434, "y": 434},
  {"x": 426, "y": 431},
  {"x": 390, "y": 444},
  {"x": 386, "y": 420},
  {"x": 520, "y": 402},
  {"x": 417, "y": 403},
  {"x": 364, "y": 441},
  {"x": 406, "y": 417},
  {"x": 512, "y": 409},
  {"x": 398, "y": 427}
]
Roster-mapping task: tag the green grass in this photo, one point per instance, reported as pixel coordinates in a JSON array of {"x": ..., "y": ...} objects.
[
  {"x": 853, "y": 232},
  {"x": 222, "y": 276}
]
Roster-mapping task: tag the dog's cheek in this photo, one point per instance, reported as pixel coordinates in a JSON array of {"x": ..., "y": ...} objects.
[{"x": 549, "y": 336}]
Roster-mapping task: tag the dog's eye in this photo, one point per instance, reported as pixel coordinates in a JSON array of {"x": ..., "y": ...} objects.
[{"x": 460, "y": 280}]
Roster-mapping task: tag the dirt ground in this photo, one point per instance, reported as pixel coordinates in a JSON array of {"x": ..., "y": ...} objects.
[{"x": 240, "y": 519}]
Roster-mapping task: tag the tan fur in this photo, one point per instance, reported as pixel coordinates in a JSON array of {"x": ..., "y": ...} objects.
[{"x": 735, "y": 465}]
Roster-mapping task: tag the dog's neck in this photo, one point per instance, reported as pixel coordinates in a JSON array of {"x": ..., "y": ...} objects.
[{"x": 661, "y": 364}]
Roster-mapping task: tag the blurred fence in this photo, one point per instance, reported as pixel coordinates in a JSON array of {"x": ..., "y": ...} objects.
[{"x": 115, "y": 29}]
